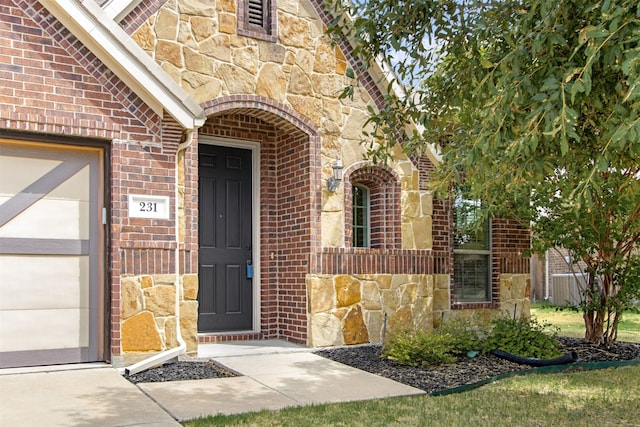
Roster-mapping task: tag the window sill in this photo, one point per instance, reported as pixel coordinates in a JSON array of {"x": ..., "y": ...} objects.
[
  {"x": 474, "y": 305},
  {"x": 257, "y": 35}
]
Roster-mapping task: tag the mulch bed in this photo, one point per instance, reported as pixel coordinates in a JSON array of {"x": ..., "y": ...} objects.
[
  {"x": 182, "y": 370},
  {"x": 467, "y": 370},
  {"x": 429, "y": 379}
]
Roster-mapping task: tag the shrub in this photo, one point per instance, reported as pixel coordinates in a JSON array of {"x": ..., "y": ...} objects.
[
  {"x": 419, "y": 348},
  {"x": 523, "y": 337},
  {"x": 467, "y": 334}
]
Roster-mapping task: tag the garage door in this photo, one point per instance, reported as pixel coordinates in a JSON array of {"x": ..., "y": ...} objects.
[{"x": 50, "y": 237}]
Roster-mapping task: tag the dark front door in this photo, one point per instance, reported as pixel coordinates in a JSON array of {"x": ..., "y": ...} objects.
[{"x": 225, "y": 278}]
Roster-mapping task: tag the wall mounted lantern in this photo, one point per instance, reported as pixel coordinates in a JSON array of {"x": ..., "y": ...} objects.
[{"x": 334, "y": 181}]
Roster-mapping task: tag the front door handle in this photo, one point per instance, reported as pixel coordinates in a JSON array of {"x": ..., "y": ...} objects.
[{"x": 249, "y": 269}]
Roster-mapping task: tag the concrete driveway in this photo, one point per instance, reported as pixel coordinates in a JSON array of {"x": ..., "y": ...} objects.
[{"x": 96, "y": 395}]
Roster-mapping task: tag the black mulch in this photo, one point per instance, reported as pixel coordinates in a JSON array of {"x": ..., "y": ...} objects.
[
  {"x": 430, "y": 379},
  {"x": 466, "y": 370},
  {"x": 182, "y": 370}
]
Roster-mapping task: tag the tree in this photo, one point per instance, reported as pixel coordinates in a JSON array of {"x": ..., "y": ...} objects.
[{"x": 535, "y": 105}]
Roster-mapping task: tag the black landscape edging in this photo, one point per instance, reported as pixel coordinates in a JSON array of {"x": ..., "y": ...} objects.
[
  {"x": 570, "y": 357},
  {"x": 579, "y": 366}
]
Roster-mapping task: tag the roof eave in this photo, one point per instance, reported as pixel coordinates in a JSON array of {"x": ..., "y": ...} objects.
[{"x": 113, "y": 46}]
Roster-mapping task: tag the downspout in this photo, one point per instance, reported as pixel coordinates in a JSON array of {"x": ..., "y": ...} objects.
[{"x": 187, "y": 137}]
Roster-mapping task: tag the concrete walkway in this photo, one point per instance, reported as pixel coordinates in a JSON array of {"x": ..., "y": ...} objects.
[
  {"x": 275, "y": 374},
  {"x": 67, "y": 396}
]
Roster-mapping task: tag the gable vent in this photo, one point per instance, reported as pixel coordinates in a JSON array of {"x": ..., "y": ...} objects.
[{"x": 256, "y": 13}]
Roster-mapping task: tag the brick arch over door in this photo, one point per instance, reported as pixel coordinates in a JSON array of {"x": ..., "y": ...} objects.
[
  {"x": 290, "y": 196},
  {"x": 384, "y": 187}
]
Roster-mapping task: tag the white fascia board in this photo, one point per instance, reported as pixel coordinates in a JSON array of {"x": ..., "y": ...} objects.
[
  {"x": 90, "y": 24},
  {"x": 118, "y": 9}
]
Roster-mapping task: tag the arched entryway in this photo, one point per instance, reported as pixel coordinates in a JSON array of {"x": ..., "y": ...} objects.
[{"x": 265, "y": 159}]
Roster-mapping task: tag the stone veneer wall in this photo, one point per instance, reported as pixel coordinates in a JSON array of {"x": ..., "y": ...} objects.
[
  {"x": 198, "y": 45},
  {"x": 351, "y": 309},
  {"x": 515, "y": 291},
  {"x": 148, "y": 313}
]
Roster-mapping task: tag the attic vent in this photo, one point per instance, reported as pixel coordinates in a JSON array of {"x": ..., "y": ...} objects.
[
  {"x": 256, "y": 13},
  {"x": 256, "y": 19}
]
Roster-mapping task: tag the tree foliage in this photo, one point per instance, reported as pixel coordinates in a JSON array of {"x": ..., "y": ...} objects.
[{"x": 535, "y": 105}]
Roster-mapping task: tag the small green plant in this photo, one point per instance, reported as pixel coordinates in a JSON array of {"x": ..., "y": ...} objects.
[
  {"x": 419, "y": 348},
  {"x": 467, "y": 334},
  {"x": 455, "y": 337},
  {"x": 523, "y": 337}
]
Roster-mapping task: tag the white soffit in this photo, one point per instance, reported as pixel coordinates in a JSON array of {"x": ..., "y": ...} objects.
[{"x": 105, "y": 39}]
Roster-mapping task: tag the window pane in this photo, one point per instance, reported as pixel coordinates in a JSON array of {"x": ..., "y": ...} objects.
[
  {"x": 360, "y": 216},
  {"x": 471, "y": 278},
  {"x": 472, "y": 251},
  {"x": 468, "y": 234}
]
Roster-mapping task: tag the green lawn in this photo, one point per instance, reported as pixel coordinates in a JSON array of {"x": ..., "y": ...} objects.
[
  {"x": 601, "y": 397},
  {"x": 605, "y": 397},
  {"x": 572, "y": 325}
]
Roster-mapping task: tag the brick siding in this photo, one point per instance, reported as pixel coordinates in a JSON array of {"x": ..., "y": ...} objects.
[
  {"x": 384, "y": 193},
  {"x": 288, "y": 226},
  {"x": 50, "y": 84},
  {"x": 509, "y": 241}
]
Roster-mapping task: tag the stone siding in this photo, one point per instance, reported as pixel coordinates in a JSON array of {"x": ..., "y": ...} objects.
[
  {"x": 200, "y": 48},
  {"x": 148, "y": 313},
  {"x": 515, "y": 292},
  {"x": 359, "y": 309},
  {"x": 57, "y": 91},
  {"x": 282, "y": 92}
]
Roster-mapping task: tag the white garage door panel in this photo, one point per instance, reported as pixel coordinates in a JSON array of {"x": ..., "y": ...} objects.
[
  {"x": 17, "y": 171},
  {"x": 50, "y": 279},
  {"x": 63, "y": 213},
  {"x": 50, "y": 219},
  {"x": 28, "y": 330},
  {"x": 39, "y": 282}
]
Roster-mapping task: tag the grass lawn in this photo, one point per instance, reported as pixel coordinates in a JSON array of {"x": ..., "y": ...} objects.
[
  {"x": 572, "y": 325},
  {"x": 604, "y": 397},
  {"x": 601, "y": 397}
]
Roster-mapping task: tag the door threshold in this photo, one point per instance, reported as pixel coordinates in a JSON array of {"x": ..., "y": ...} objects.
[
  {"x": 249, "y": 348},
  {"x": 216, "y": 337}
]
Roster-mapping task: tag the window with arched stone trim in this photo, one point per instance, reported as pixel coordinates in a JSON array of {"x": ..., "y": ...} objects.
[{"x": 372, "y": 208}]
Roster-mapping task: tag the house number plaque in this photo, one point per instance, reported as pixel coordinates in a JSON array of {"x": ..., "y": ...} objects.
[{"x": 144, "y": 206}]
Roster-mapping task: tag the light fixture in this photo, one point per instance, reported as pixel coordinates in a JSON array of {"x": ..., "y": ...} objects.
[{"x": 334, "y": 181}]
